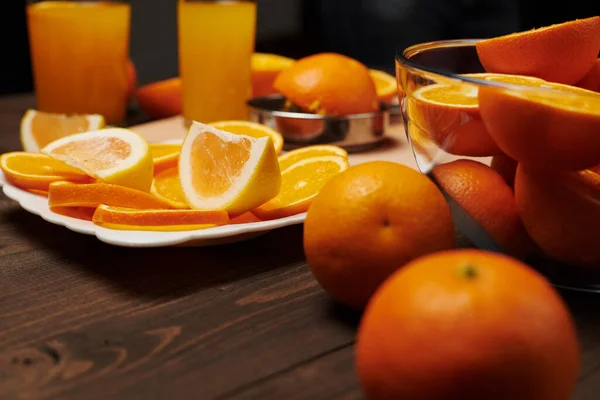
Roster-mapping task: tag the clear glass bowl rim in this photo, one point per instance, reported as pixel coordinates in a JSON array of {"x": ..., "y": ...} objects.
[{"x": 403, "y": 58}]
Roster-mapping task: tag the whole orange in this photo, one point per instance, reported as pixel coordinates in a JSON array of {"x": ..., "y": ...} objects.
[
  {"x": 367, "y": 222},
  {"x": 161, "y": 99},
  {"x": 329, "y": 84},
  {"x": 467, "y": 325},
  {"x": 488, "y": 199},
  {"x": 561, "y": 212},
  {"x": 506, "y": 167},
  {"x": 561, "y": 53}
]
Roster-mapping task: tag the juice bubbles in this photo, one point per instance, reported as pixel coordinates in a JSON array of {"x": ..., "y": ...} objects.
[
  {"x": 216, "y": 42},
  {"x": 79, "y": 52}
]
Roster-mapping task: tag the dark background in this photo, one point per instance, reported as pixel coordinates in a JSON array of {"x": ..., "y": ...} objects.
[{"x": 368, "y": 30}]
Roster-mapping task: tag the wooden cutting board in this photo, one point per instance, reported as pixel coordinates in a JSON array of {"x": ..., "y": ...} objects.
[{"x": 395, "y": 148}]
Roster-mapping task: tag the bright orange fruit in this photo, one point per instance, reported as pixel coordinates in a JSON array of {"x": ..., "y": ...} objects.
[
  {"x": 385, "y": 85},
  {"x": 300, "y": 183},
  {"x": 367, "y": 222},
  {"x": 265, "y": 68},
  {"x": 486, "y": 197},
  {"x": 35, "y": 171},
  {"x": 161, "y": 99},
  {"x": 66, "y": 194},
  {"x": 293, "y": 156},
  {"x": 469, "y": 325},
  {"x": 164, "y": 156},
  {"x": 561, "y": 53},
  {"x": 157, "y": 220},
  {"x": 591, "y": 81},
  {"x": 553, "y": 126},
  {"x": 561, "y": 212},
  {"x": 329, "y": 84}
]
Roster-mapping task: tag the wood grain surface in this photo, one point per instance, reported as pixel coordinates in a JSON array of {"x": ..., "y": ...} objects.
[{"x": 80, "y": 319}]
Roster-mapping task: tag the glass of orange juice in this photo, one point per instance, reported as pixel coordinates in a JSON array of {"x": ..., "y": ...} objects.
[
  {"x": 216, "y": 42},
  {"x": 79, "y": 53}
]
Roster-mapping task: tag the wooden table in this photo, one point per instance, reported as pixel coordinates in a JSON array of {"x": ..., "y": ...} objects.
[{"x": 80, "y": 319}]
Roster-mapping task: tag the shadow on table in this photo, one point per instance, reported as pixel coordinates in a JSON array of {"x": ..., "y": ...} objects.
[{"x": 168, "y": 272}]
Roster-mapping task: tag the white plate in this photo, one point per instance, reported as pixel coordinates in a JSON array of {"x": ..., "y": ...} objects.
[{"x": 202, "y": 237}]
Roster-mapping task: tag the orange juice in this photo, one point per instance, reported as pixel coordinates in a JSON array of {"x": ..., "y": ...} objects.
[
  {"x": 79, "y": 53},
  {"x": 216, "y": 41}
]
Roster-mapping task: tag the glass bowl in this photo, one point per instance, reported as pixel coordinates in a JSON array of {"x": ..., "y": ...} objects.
[{"x": 556, "y": 191}]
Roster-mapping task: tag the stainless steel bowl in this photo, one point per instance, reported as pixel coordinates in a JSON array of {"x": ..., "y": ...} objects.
[{"x": 356, "y": 132}]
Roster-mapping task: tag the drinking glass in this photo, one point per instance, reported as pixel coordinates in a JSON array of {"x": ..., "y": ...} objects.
[
  {"x": 79, "y": 53},
  {"x": 216, "y": 42}
]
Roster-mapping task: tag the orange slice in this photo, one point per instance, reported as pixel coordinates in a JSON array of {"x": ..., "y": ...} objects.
[
  {"x": 251, "y": 129},
  {"x": 84, "y": 213},
  {"x": 219, "y": 170},
  {"x": 291, "y": 157},
  {"x": 66, "y": 194},
  {"x": 35, "y": 171},
  {"x": 116, "y": 155},
  {"x": 166, "y": 186},
  {"x": 164, "y": 155},
  {"x": 385, "y": 85},
  {"x": 40, "y": 128},
  {"x": 300, "y": 184},
  {"x": 265, "y": 68},
  {"x": 555, "y": 126},
  {"x": 561, "y": 53},
  {"x": 43, "y": 193},
  {"x": 244, "y": 218},
  {"x": 157, "y": 220}
]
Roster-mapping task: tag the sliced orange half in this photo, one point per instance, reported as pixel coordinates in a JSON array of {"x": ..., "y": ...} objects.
[
  {"x": 300, "y": 184},
  {"x": 166, "y": 186},
  {"x": 219, "y": 170},
  {"x": 40, "y": 128},
  {"x": 66, "y": 194},
  {"x": 291, "y": 157},
  {"x": 118, "y": 156},
  {"x": 164, "y": 155},
  {"x": 265, "y": 68},
  {"x": 251, "y": 129},
  {"x": 35, "y": 171},
  {"x": 385, "y": 84},
  {"x": 157, "y": 220}
]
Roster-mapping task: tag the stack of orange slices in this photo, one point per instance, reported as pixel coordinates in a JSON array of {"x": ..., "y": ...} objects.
[{"x": 226, "y": 172}]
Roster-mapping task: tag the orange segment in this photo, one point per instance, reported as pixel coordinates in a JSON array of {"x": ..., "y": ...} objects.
[
  {"x": 35, "y": 171},
  {"x": 40, "y": 128},
  {"x": 385, "y": 85},
  {"x": 164, "y": 156},
  {"x": 219, "y": 170},
  {"x": 244, "y": 218},
  {"x": 252, "y": 129},
  {"x": 561, "y": 53},
  {"x": 300, "y": 184},
  {"x": 553, "y": 126},
  {"x": 166, "y": 186},
  {"x": 171, "y": 220},
  {"x": 118, "y": 156},
  {"x": 66, "y": 194},
  {"x": 291, "y": 157}
]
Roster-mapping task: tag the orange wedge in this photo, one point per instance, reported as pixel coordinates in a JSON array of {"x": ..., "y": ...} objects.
[
  {"x": 300, "y": 183},
  {"x": 157, "y": 220},
  {"x": 166, "y": 186},
  {"x": 115, "y": 155},
  {"x": 561, "y": 53},
  {"x": 252, "y": 129},
  {"x": 35, "y": 171},
  {"x": 219, "y": 170},
  {"x": 385, "y": 85},
  {"x": 40, "y": 128},
  {"x": 291, "y": 157},
  {"x": 164, "y": 156},
  {"x": 555, "y": 126},
  {"x": 66, "y": 194}
]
